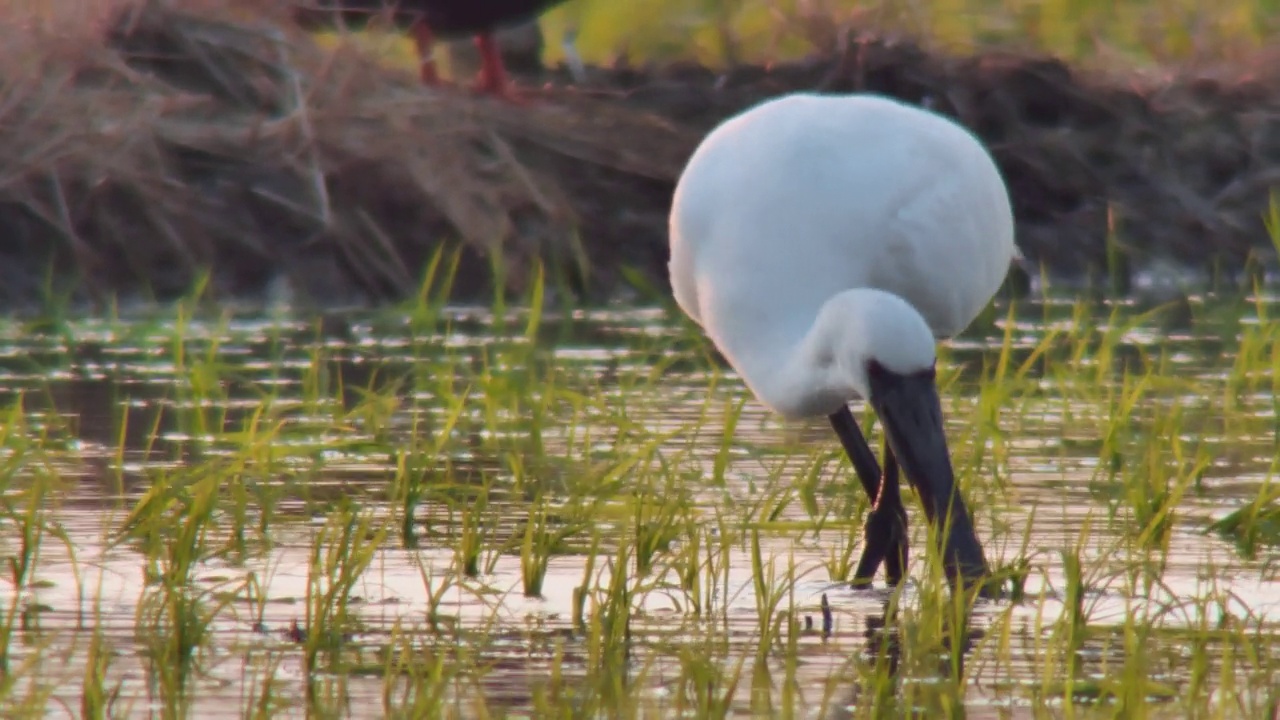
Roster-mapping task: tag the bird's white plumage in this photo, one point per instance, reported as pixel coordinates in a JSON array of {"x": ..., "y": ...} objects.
[{"x": 800, "y": 226}]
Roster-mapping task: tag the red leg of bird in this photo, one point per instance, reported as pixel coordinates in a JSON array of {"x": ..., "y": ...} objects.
[
  {"x": 425, "y": 40},
  {"x": 493, "y": 76}
]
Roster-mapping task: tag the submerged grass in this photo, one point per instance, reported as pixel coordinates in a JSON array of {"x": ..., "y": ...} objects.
[{"x": 444, "y": 511}]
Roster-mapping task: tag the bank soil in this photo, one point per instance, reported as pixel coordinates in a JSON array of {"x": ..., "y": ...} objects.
[{"x": 180, "y": 143}]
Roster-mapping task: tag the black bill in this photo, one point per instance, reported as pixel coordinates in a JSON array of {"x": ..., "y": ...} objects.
[{"x": 911, "y": 413}]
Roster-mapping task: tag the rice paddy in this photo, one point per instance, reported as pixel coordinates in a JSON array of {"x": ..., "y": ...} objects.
[{"x": 518, "y": 510}]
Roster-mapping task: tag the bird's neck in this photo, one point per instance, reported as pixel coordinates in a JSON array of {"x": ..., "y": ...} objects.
[
  {"x": 801, "y": 370},
  {"x": 812, "y": 371}
]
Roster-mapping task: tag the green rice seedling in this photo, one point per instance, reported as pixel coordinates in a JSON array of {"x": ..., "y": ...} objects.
[
  {"x": 27, "y": 514},
  {"x": 256, "y": 480},
  {"x": 200, "y": 394},
  {"x": 1156, "y": 501},
  {"x": 417, "y": 466},
  {"x": 732, "y": 413},
  {"x": 1138, "y": 690},
  {"x": 1080, "y": 337},
  {"x": 545, "y": 533},
  {"x": 583, "y": 591},
  {"x": 1271, "y": 219},
  {"x": 1082, "y": 407},
  {"x": 926, "y": 638},
  {"x": 154, "y": 520},
  {"x": 808, "y": 482},
  {"x": 544, "y": 536},
  {"x": 429, "y": 683},
  {"x": 25, "y": 691},
  {"x": 1127, "y": 684},
  {"x": 1073, "y": 626},
  {"x": 97, "y": 701},
  {"x": 555, "y": 697},
  {"x": 436, "y": 588},
  {"x": 791, "y": 697},
  {"x": 720, "y": 555},
  {"x": 1117, "y": 260},
  {"x": 1006, "y": 387},
  {"x": 55, "y": 307},
  {"x": 1256, "y": 525},
  {"x": 375, "y": 415},
  {"x": 660, "y": 519},
  {"x": 315, "y": 383},
  {"x": 175, "y": 614},
  {"x": 535, "y": 550},
  {"x": 707, "y": 685},
  {"x": 340, "y": 553},
  {"x": 1009, "y": 576},
  {"x": 535, "y": 303},
  {"x": 498, "y": 304},
  {"x": 1118, "y": 434},
  {"x": 1104, "y": 361},
  {"x": 1252, "y": 352},
  {"x": 416, "y": 678},
  {"x": 518, "y": 387},
  {"x": 697, "y": 563},
  {"x": 771, "y": 590},
  {"x": 261, "y": 699},
  {"x": 434, "y": 291},
  {"x": 840, "y": 562},
  {"x": 327, "y": 695},
  {"x": 609, "y": 623},
  {"x": 474, "y": 535},
  {"x": 767, "y": 505},
  {"x": 868, "y": 686},
  {"x": 256, "y": 596},
  {"x": 626, "y": 470},
  {"x": 1199, "y": 647}
]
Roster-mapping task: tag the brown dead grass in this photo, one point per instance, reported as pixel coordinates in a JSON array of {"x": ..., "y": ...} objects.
[
  {"x": 182, "y": 141},
  {"x": 144, "y": 145}
]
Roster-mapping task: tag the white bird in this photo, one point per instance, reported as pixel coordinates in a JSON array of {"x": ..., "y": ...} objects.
[{"x": 825, "y": 244}]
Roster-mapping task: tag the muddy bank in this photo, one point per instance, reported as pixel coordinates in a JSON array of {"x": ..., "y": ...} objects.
[
  {"x": 177, "y": 144},
  {"x": 1179, "y": 172}
]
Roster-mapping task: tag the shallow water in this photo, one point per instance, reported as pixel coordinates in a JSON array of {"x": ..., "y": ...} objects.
[{"x": 299, "y": 420}]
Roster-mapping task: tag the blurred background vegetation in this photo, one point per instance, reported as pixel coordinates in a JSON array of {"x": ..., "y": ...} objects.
[
  {"x": 1098, "y": 33},
  {"x": 1134, "y": 31}
]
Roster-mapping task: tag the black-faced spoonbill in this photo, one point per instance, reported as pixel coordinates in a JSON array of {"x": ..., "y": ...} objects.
[
  {"x": 428, "y": 19},
  {"x": 825, "y": 244}
]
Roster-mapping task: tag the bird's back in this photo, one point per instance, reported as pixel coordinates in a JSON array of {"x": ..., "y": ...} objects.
[
  {"x": 446, "y": 18},
  {"x": 473, "y": 16},
  {"x": 805, "y": 196}
]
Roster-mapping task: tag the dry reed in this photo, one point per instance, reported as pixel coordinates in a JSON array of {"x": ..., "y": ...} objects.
[{"x": 146, "y": 143}]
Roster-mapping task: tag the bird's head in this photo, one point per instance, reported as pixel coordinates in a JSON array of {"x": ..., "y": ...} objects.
[
  {"x": 887, "y": 353},
  {"x": 873, "y": 336}
]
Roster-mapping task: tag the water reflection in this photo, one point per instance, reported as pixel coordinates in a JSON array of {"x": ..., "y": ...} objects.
[
  {"x": 882, "y": 652},
  {"x": 114, "y": 411}
]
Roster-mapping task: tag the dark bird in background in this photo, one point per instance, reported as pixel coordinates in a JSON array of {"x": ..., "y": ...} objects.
[{"x": 427, "y": 20}]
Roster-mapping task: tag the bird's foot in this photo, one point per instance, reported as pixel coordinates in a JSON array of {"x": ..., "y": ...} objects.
[
  {"x": 427, "y": 73},
  {"x": 499, "y": 88},
  {"x": 885, "y": 540},
  {"x": 424, "y": 39},
  {"x": 979, "y": 580}
]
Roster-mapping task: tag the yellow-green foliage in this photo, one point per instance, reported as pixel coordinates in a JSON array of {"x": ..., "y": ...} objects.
[
  {"x": 1098, "y": 32},
  {"x": 1143, "y": 30},
  {"x": 1095, "y": 31}
]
